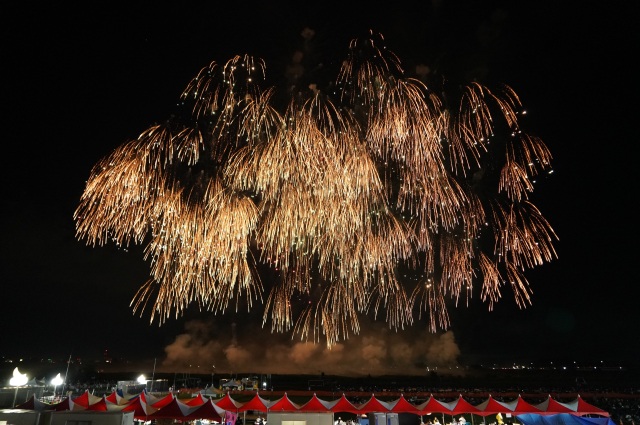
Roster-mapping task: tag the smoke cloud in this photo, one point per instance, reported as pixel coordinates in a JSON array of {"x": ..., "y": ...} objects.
[{"x": 247, "y": 348}]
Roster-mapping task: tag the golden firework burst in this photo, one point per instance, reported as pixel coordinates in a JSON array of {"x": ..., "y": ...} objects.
[{"x": 377, "y": 197}]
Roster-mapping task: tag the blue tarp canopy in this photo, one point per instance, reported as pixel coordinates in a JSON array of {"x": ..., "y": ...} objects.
[{"x": 561, "y": 419}]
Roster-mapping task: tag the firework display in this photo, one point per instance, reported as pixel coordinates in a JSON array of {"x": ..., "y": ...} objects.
[{"x": 377, "y": 196}]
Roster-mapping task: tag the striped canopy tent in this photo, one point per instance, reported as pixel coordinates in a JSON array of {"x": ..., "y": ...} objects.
[
  {"x": 113, "y": 407},
  {"x": 173, "y": 410},
  {"x": 198, "y": 400},
  {"x": 343, "y": 405},
  {"x": 491, "y": 406},
  {"x": 582, "y": 408},
  {"x": 147, "y": 398},
  {"x": 65, "y": 404},
  {"x": 208, "y": 410},
  {"x": 162, "y": 402},
  {"x": 552, "y": 407},
  {"x": 228, "y": 403},
  {"x": 84, "y": 400},
  {"x": 113, "y": 397},
  {"x": 519, "y": 405},
  {"x": 34, "y": 404},
  {"x": 460, "y": 406},
  {"x": 316, "y": 405},
  {"x": 116, "y": 397},
  {"x": 99, "y": 406},
  {"x": 283, "y": 404},
  {"x": 139, "y": 408},
  {"x": 402, "y": 405},
  {"x": 374, "y": 405},
  {"x": 256, "y": 403},
  {"x": 432, "y": 406}
]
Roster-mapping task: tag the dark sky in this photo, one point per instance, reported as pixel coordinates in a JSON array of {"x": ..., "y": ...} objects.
[{"x": 79, "y": 82}]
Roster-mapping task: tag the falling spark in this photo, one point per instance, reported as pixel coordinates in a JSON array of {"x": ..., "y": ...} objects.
[{"x": 375, "y": 198}]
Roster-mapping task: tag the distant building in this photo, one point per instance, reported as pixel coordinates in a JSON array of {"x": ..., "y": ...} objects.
[
  {"x": 131, "y": 387},
  {"x": 134, "y": 387}
]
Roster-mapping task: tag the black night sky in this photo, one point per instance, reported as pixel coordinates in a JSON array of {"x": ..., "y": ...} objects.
[{"x": 79, "y": 82}]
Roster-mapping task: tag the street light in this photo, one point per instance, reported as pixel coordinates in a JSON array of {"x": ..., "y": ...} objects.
[
  {"x": 55, "y": 382},
  {"x": 142, "y": 380},
  {"x": 17, "y": 381}
]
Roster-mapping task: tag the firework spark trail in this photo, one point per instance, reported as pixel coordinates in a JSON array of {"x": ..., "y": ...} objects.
[
  {"x": 430, "y": 297},
  {"x": 331, "y": 199},
  {"x": 492, "y": 280},
  {"x": 525, "y": 238}
]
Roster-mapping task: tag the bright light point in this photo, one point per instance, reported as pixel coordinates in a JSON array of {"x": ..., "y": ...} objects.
[
  {"x": 57, "y": 380},
  {"x": 18, "y": 378}
]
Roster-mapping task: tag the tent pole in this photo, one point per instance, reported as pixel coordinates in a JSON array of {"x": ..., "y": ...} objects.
[
  {"x": 153, "y": 375},
  {"x": 66, "y": 373}
]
